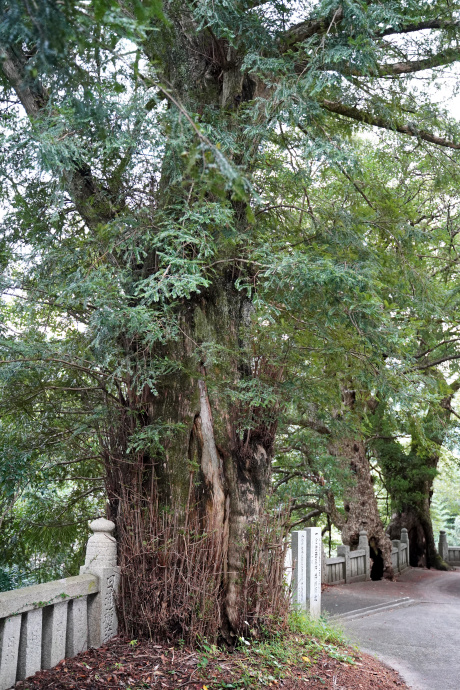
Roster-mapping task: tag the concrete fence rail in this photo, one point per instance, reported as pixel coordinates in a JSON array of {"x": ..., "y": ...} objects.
[
  {"x": 450, "y": 554},
  {"x": 43, "y": 624}
]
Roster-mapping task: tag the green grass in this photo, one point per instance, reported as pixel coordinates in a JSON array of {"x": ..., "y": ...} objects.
[{"x": 261, "y": 664}]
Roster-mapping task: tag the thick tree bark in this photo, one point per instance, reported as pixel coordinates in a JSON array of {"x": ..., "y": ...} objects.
[
  {"x": 233, "y": 456},
  {"x": 415, "y": 515},
  {"x": 422, "y": 548},
  {"x": 216, "y": 460},
  {"x": 417, "y": 470},
  {"x": 361, "y": 509},
  {"x": 360, "y": 503}
]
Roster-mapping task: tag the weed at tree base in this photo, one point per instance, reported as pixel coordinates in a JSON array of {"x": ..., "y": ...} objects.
[{"x": 262, "y": 664}]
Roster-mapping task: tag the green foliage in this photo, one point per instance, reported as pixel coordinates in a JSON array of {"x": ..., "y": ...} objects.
[
  {"x": 445, "y": 505},
  {"x": 260, "y": 663},
  {"x": 135, "y": 196}
]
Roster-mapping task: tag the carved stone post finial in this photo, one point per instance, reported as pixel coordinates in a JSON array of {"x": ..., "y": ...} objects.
[
  {"x": 101, "y": 551},
  {"x": 101, "y": 560}
]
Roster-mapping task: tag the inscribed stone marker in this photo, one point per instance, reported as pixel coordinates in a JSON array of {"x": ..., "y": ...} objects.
[
  {"x": 314, "y": 542},
  {"x": 9, "y": 650},
  {"x": 299, "y": 573},
  {"x": 306, "y": 580}
]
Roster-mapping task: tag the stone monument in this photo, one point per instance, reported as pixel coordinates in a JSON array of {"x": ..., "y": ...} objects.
[{"x": 306, "y": 579}]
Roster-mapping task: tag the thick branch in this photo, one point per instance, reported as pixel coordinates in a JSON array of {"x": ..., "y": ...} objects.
[
  {"x": 444, "y": 57},
  {"x": 420, "y": 26},
  {"x": 92, "y": 203},
  {"x": 308, "y": 517},
  {"x": 369, "y": 119},
  {"x": 304, "y": 30},
  {"x": 300, "y": 32},
  {"x": 313, "y": 424}
]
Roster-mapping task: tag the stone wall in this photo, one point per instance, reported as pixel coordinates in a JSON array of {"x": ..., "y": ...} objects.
[
  {"x": 355, "y": 566},
  {"x": 450, "y": 554},
  {"x": 43, "y": 624}
]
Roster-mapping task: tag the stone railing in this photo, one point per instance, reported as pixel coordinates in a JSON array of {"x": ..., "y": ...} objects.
[
  {"x": 355, "y": 566},
  {"x": 400, "y": 552},
  {"x": 43, "y": 624},
  {"x": 449, "y": 554},
  {"x": 307, "y": 567}
]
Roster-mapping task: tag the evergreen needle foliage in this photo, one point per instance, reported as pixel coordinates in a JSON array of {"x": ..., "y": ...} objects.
[{"x": 205, "y": 249}]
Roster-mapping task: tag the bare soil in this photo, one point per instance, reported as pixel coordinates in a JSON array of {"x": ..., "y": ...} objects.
[{"x": 143, "y": 665}]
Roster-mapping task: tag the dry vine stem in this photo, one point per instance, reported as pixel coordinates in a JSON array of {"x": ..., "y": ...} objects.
[{"x": 173, "y": 575}]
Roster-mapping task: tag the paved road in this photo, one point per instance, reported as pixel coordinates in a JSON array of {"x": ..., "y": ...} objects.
[{"x": 422, "y": 639}]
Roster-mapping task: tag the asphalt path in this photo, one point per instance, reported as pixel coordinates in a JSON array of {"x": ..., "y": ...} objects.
[{"x": 416, "y": 630}]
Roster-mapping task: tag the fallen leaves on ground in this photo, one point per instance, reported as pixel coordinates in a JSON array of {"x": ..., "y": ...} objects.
[{"x": 136, "y": 665}]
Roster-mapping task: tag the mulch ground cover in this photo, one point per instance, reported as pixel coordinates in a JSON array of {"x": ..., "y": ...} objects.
[{"x": 140, "y": 665}]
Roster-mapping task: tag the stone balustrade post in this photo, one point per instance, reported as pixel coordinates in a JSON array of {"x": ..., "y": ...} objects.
[
  {"x": 443, "y": 546},
  {"x": 344, "y": 551},
  {"x": 397, "y": 544},
  {"x": 101, "y": 560},
  {"x": 363, "y": 543},
  {"x": 405, "y": 540}
]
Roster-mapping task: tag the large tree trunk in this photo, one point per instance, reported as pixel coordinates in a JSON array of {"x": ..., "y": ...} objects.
[
  {"x": 415, "y": 516},
  {"x": 213, "y": 468},
  {"x": 212, "y": 474},
  {"x": 409, "y": 477},
  {"x": 360, "y": 503}
]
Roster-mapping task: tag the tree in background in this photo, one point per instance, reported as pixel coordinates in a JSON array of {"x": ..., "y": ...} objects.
[
  {"x": 408, "y": 214},
  {"x": 445, "y": 505},
  {"x": 156, "y": 285}
]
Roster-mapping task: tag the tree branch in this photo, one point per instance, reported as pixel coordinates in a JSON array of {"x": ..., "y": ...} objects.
[
  {"x": 369, "y": 119},
  {"x": 444, "y": 57},
  {"x": 441, "y": 360},
  {"x": 306, "y": 29},
  {"x": 309, "y": 516},
  {"x": 420, "y": 26},
  {"x": 300, "y": 32},
  {"x": 443, "y": 342},
  {"x": 92, "y": 202}
]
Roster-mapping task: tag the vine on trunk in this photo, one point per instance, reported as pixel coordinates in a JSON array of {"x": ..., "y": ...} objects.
[{"x": 174, "y": 567}]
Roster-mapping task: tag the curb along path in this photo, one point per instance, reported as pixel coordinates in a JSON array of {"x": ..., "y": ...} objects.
[{"x": 412, "y": 624}]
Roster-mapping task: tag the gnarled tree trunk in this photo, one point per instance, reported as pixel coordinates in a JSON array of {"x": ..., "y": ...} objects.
[
  {"x": 210, "y": 477},
  {"x": 410, "y": 476},
  {"x": 415, "y": 515},
  {"x": 360, "y": 503}
]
